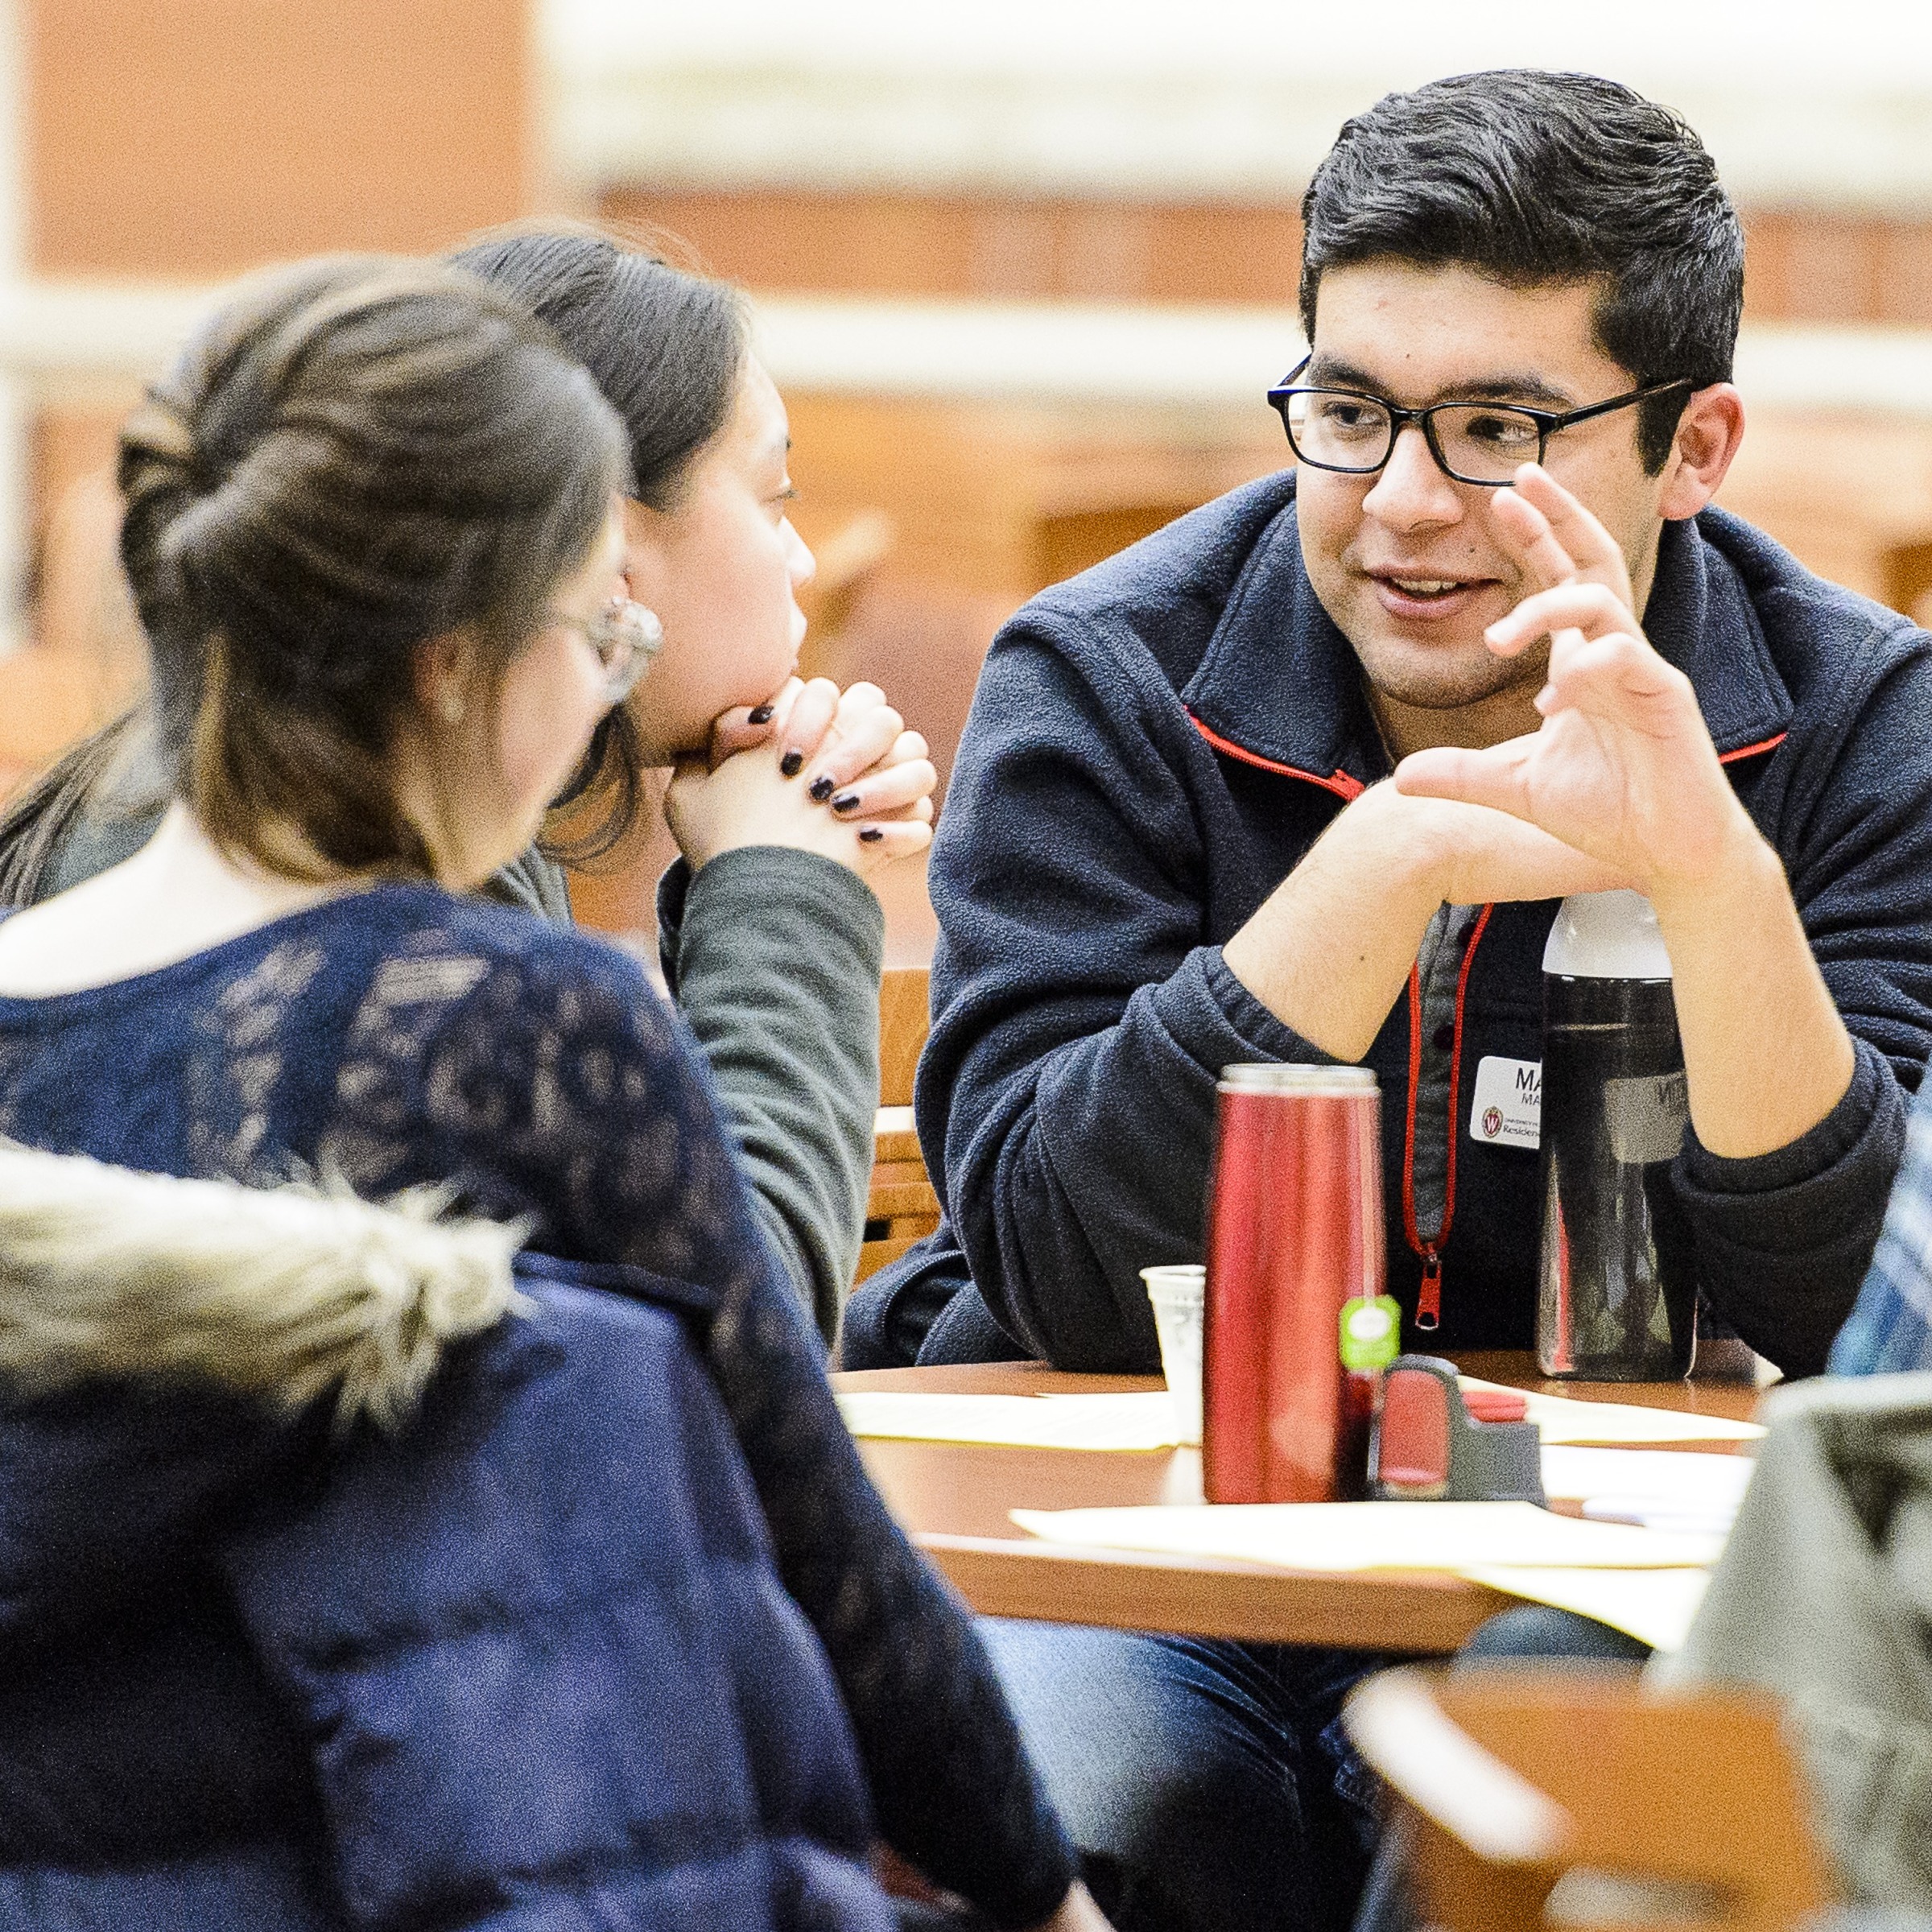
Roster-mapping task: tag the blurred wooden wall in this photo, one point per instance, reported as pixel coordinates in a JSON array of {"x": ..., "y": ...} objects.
[
  {"x": 1805, "y": 264},
  {"x": 192, "y": 139},
  {"x": 1004, "y": 246}
]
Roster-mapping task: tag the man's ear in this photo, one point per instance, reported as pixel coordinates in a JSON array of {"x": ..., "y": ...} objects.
[{"x": 1708, "y": 434}]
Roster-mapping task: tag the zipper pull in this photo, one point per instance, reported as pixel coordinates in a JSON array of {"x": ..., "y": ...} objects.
[{"x": 1429, "y": 1303}]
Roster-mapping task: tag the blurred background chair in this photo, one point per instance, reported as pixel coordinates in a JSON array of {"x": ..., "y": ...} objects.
[
  {"x": 901, "y": 1207},
  {"x": 87, "y": 660},
  {"x": 1564, "y": 1796}
]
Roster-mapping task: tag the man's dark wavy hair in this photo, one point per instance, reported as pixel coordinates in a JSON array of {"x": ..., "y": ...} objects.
[{"x": 1531, "y": 178}]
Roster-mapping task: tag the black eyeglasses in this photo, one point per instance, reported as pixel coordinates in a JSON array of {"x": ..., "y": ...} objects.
[{"x": 1481, "y": 442}]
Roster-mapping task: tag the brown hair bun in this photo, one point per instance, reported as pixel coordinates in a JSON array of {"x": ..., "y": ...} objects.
[{"x": 354, "y": 455}]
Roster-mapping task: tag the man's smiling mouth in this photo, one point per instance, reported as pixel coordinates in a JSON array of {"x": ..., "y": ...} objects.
[
  {"x": 1423, "y": 585},
  {"x": 1421, "y": 595}
]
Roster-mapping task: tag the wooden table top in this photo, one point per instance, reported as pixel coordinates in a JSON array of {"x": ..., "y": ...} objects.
[{"x": 953, "y": 1499}]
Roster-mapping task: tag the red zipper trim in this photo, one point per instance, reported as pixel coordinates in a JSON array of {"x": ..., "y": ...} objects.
[
  {"x": 1340, "y": 783},
  {"x": 1429, "y": 1302},
  {"x": 1344, "y": 785},
  {"x": 1431, "y": 1290}
]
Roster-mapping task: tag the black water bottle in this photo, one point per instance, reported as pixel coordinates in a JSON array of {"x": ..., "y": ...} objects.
[{"x": 1617, "y": 1289}]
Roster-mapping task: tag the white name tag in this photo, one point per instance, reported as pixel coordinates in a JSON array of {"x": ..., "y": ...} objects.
[{"x": 1508, "y": 1109}]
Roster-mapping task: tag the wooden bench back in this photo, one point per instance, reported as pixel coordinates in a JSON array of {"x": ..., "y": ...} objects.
[
  {"x": 1517, "y": 1779},
  {"x": 902, "y": 1208},
  {"x": 903, "y": 1020}
]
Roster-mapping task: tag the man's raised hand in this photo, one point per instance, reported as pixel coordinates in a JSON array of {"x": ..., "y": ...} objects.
[{"x": 1623, "y": 767}]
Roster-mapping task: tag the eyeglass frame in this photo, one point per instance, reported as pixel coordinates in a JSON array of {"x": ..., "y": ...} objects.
[
  {"x": 1548, "y": 422},
  {"x": 602, "y": 633}
]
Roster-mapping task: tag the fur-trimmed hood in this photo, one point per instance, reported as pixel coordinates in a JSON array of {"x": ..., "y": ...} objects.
[
  {"x": 527, "y": 1660},
  {"x": 288, "y": 1294}
]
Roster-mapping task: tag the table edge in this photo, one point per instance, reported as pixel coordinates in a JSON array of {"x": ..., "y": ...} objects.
[{"x": 1420, "y": 1612}]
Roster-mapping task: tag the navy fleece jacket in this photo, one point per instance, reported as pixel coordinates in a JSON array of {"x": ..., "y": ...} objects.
[{"x": 1155, "y": 745}]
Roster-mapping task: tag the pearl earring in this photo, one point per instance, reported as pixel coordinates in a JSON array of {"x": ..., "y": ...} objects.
[{"x": 450, "y": 704}]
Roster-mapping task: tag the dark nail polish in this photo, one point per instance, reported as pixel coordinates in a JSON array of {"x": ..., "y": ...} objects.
[
  {"x": 791, "y": 763},
  {"x": 761, "y": 716},
  {"x": 845, "y": 801},
  {"x": 821, "y": 789},
  {"x": 871, "y": 834}
]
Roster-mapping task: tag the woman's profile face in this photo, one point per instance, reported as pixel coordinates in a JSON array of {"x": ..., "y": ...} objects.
[{"x": 722, "y": 568}]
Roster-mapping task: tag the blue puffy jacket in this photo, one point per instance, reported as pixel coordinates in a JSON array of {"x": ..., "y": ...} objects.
[{"x": 524, "y": 1662}]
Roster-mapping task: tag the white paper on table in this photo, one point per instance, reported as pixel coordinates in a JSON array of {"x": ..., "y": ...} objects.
[
  {"x": 1654, "y": 1606},
  {"x": 1642, "y": 1483},
  {"x": 1562, "y": 1418},
  {"x": 1125, "y": 1421},
  {"x": 1656, "y": 1516},
  {"x": 1144, "y": 1420},
  {"x": 1375, "y": 1536}
]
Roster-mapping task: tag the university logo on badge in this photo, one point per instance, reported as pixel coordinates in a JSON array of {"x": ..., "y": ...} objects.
[{"x": 1507, "y": 1109}]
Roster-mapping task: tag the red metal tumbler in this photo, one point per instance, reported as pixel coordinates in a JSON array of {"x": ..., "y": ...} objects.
[{"x": 1295, "y": 1232}]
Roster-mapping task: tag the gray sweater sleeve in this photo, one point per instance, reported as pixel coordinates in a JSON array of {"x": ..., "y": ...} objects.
[{"x": 773, "y": 957}]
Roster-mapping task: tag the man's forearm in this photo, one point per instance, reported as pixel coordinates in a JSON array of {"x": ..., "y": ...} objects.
[
  {"x": 1766, "y": 1055},
  {"x": 1327, "y": 951}
]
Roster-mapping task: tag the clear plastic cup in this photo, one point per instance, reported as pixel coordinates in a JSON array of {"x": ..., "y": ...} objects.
[{"x": 1177, "y": 1295}]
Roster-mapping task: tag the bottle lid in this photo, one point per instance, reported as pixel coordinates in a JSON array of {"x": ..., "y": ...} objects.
[
  {"x": 1272, "y": 1076},
  {"x": 1607, "y": 936}
]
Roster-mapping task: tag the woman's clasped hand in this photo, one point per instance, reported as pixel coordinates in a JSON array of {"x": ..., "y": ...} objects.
[{"x": 813, "y": 769}]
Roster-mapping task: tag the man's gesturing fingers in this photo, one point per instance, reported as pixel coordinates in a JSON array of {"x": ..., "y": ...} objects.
[
  {"x": 1590, "y": 608},
  {"x": 1527, "y": 536},
  {"x": 1619, "y": 678},
  {"x": 1477, "y": 818},
  {"x": 1495, "y": 777},
  {"x": 1574, "y": 533}
]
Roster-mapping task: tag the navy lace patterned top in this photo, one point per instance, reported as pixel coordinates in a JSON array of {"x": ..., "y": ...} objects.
[{"x": 401, "y": 1036}]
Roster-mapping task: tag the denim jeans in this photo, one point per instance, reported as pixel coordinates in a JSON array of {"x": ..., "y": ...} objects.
[{"x": 1208, "y": 1785}]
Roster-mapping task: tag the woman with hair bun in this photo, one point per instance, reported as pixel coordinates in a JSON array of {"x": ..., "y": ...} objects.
[
  {"x": 264, "y": 1665},
  {"x": 787, "y": 797}
]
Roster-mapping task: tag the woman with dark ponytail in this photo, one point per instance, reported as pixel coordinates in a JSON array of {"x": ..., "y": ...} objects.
[{"x": 354, "y": 1570}]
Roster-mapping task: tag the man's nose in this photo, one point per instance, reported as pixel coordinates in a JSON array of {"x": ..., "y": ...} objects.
[{"x": 1412, "y": 491}]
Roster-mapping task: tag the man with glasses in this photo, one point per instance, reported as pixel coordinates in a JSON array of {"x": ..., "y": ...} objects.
[{"x": 1302, "y": 777}]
